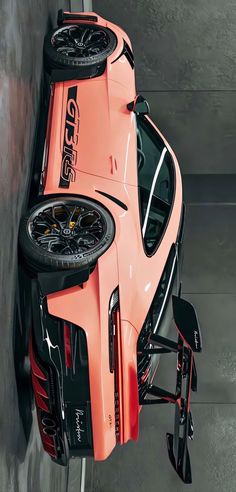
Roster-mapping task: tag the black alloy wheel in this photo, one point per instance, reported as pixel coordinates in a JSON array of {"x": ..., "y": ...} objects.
[
  {"x": 65, "y": 233},
  {"x": 79, "y": 45}
]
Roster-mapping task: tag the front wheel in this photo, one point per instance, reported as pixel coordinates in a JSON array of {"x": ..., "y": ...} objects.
[
  {"x": 64, "y": 233},
  {"x": 78, "y": 45}
]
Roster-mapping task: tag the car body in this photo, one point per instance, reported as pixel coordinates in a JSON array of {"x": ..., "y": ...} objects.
[{"x": 88, "y": 371}]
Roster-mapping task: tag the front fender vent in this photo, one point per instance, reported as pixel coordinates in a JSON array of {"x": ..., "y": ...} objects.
[{"x": 128, "y": 53}]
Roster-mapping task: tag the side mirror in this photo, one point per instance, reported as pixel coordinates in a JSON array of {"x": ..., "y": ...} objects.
[{"x": 139, "y": 105}]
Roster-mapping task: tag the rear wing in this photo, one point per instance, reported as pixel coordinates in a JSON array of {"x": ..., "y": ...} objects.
[{"x": 188, "y": 341}]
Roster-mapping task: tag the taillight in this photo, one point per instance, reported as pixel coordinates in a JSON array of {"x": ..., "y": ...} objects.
[
  {"x": 112, "y": 325},
  {"x": 39, "y": 380}
]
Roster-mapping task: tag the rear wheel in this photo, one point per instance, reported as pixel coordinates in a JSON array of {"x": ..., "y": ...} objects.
[
  {"x": 78, "y": 45},
  {"x": 64, "y": 233}
]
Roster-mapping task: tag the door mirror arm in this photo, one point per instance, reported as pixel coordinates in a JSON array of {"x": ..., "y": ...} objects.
[{"x": 139, "y": 106}]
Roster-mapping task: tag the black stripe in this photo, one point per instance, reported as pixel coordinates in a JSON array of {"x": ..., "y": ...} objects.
[
  {"x": 128, "y": 53},
  {"x": 69, "y": 153},
  {"x": 114, "y": 199}
]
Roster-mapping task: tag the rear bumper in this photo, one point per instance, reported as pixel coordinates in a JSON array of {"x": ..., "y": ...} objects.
[
  {"x": 62, "y": 393},
  {"x": 81, "y": 399},
  {"x": 89, "y": 307}
]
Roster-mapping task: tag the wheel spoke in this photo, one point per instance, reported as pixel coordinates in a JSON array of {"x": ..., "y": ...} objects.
[
  {"x": 61, "y": 37},
  {"x": 93, "y": 45},
  {"x": 67, "y": 250},
  {"x": 96, "y": 42},
  {"x": 51, "y": 219},
  {"x": 87, "y": 240},
  {"x": 96, "y": 230},
  {"x": 84, "y": 35},
  {"x": 68, "y": 211},
  {"x": 97, "y": 34},
  {"x": 66, "y": 50},
  {"x": 58, "y": 218},
  {"x": 51, "y": 243},
  {"x": 80, "y": 41},
  {"x": 46, "y": 239},
  {"x": 91, "y": 216}
]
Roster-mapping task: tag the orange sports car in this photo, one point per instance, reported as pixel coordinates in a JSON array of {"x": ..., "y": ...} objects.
[{"x": 101, "y": 246}]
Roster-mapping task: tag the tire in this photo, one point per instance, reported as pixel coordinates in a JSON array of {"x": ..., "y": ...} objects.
[
  {"x": 78, "y": 56},
  {"x": 65, "y": 233}
]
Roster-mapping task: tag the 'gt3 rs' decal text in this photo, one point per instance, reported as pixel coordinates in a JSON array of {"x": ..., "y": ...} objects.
[{"x": 71, "y": 136}]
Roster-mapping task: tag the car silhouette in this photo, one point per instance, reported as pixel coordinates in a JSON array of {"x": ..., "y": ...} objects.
[{"x": 101, "y": 246}]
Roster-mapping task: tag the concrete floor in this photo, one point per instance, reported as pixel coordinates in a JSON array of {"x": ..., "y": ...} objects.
[{"x": 185, "y": 54}]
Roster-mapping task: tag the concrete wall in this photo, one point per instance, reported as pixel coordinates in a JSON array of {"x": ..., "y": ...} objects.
[
  {"x": 186, "y": 67},
  {"x": 80, "y": 5}
]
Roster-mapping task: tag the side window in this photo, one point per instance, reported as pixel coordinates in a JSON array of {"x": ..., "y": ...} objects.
[{"x": 156, "y": 183}]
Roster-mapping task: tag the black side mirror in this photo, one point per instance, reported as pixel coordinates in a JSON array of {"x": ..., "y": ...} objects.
[{"x": 139, "y": 105}]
